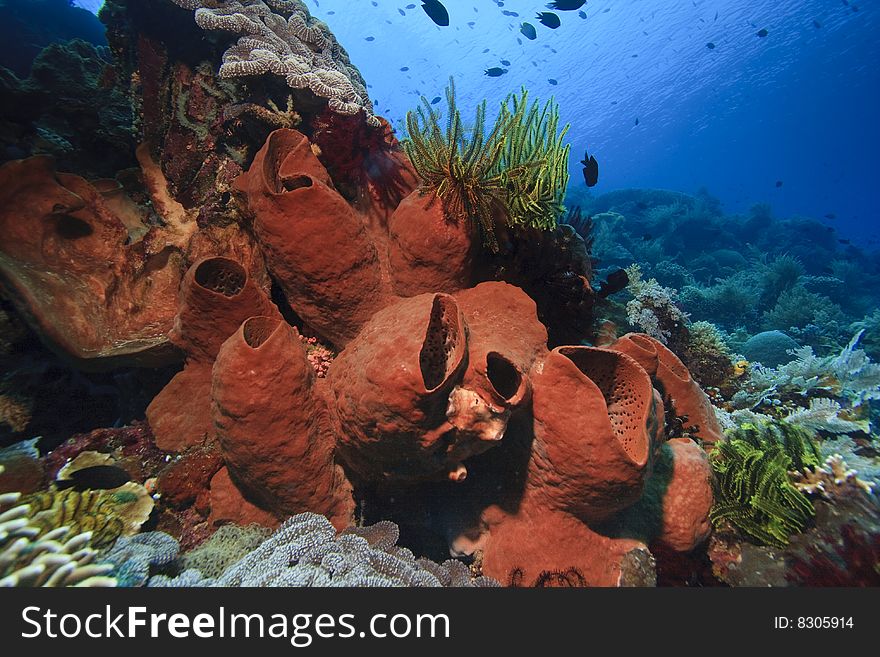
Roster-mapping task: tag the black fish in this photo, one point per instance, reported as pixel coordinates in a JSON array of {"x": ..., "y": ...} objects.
[
  {"x": 762, "y": 33},
  {"x": 510, "y": 13},
  {"x": 435, "y": 100},
  {"x": 100, "y": 477},
  {"x": 637, "y": 120},
  {"x": 485, "y": 51},
  {"x": 505, "y": 62},
  {"x": 401, "y": 11},
  {"x": 779, "y": 183},
  {"x": 528, "y": 31},
  {"x": 817, "y": 24},
  {"x": 591, "y": 170},
  {"x": 616, "y": 281},
  {"x": 404, "y": 68},
  {"x": 566, "y": 5},
  {"x": 710, "y": 46},
  {"x": 410, "y": 6},
  {"x": 582, "y": 15},
  {"x": 843, "y": 241},
  {"x": 552, "y": 81},
  {"x": 369, "y": 38},
  {"x": 495, "y": 72},
  {"x": 549, "y": 19},
  {"x": 375, "y": 4},
  {"x": 436, "y": 11},
  {"x": 831, "y": 215},
  {"x": 471, "y": 23}
]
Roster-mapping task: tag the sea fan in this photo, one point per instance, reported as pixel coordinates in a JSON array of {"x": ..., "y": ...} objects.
[{"x": 822, "y": 415}]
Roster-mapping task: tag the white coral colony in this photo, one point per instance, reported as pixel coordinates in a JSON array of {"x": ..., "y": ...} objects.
[{"x": 282, "y": 38}]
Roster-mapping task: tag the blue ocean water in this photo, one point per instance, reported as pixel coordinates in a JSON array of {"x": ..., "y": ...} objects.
[{"x": 798, "y": 106}]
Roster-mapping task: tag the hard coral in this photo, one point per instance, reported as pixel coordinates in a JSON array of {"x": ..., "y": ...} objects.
[
  {"x": 31, "y": 556},
  {"x": 282, "y": 38}
]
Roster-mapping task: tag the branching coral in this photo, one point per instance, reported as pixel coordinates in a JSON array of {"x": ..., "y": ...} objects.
[
  {"x": 832, "y": 480},
  {"x": 517, "y": 173},
  {"x": 653, "y": 308},
  {"x": 754, "y": 494}
]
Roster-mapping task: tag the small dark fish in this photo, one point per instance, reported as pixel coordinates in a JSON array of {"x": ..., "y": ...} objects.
[
  {"x": 404, "y": 68},
  {"x": 505, "y": 62},
  {"x": 435, "y": 100},
  {"x": 614, "y": 102},
  {"x": 582, "y": 15},
  {"x": 637, "y": 120},
  {"x": 99, "y": 476},
  {"x": 710, "y": 46},
  {"x": 831, "y": 215},
  {"x": 495, "y": 72},
  {"x": 436, "y": 12},
  {"x": 401, "y": 12},
  {"x": 844, "y": 241},
  {"x": 778, "y": 183},
  {"x": 471, "y": 23},
  {"x": 369, "y": 38},
  {"x": 510, "y": 13},
  {"x": 817, "y": 24},
  {"x": 528, "y": 31},
  {"x": 762, "y": 33},
  {"x": 616, "y": 281},
  {"x": 375, "y": 4},
  {"x": 552, "y": 81},
  {"x": 566, "y": 5},
  {"x": 485, "y": 51},
  {"x": 410, "y": 6},
  {"x": 606, "y": 10},
  {"x": 331, "y": 13},
  {"x": 591, "y": 170},
  {"x": 549, "y": 19},
  {"x": 716, "y": 17}
]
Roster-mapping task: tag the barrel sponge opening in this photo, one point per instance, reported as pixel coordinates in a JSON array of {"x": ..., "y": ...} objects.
[
  {"x": 674, "y": 364},
  {"x": 257, "y": 330},
  {"x": 439, "y": 354},
  {"x": 221, "y": 275},
  {"x": 643, "y": 342},
  {"x": 627, "y": 391},
  {"x": 503, "y": 375}
]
